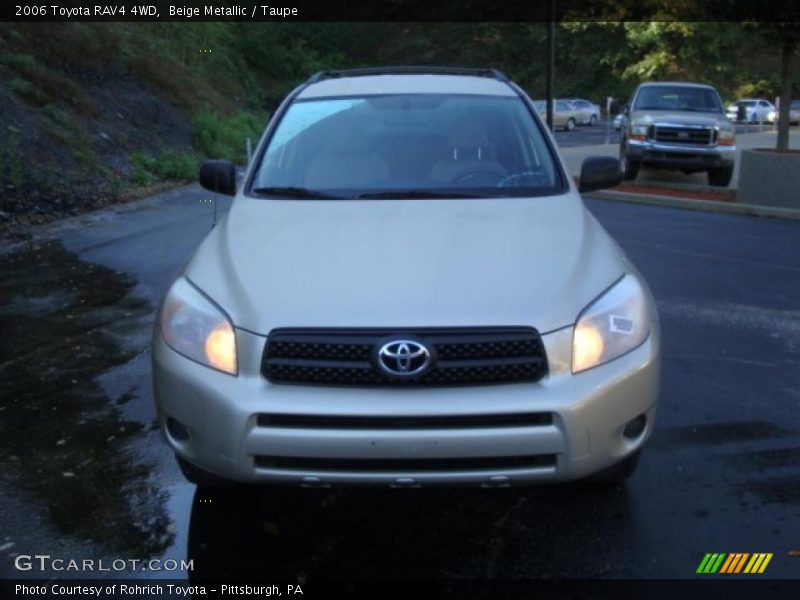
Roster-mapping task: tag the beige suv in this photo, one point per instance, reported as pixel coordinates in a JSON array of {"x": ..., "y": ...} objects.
[
  {"x": 679, "y": 126},
  {"x": 407, "y": 291}
]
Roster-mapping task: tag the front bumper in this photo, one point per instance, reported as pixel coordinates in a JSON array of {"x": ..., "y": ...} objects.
[
  {"x": 680, "y": 156},
  {"x": 228, "y": 438}
]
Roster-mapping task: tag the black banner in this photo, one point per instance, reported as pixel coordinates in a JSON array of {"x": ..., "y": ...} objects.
[
  {"x": 398, "y": 10},
  {"x": 113, "y": 589}
]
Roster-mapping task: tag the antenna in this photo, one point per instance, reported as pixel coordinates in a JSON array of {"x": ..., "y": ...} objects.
[{"x": 216, "y": 186}]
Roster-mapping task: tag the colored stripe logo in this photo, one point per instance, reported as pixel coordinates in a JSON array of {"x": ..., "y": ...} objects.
[{"x": 734, "y": 563}]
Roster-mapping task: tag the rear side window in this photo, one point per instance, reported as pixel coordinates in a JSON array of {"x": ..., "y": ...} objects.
[{"x": 423, "y": 143}]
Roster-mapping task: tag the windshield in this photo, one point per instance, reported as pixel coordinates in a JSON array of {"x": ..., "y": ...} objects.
[
  {"x": 676, "y": 97},
  {"x": 408, "y": 145}
]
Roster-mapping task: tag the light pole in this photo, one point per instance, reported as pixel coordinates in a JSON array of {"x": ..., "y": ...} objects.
[{"x": 551, "y": 60}]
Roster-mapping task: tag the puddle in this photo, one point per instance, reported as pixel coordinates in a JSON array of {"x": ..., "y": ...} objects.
[{"x": 65, "y": 441}]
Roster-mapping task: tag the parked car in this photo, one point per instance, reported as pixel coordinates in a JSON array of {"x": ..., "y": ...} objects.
[
  {"x": 618, "y": 121},
  {"x": 407, "y": 290},
  {"x": 564, "y": 114},
  {"x": 794, "y": 114},
  {"x": 750, "y": 110},
  {"x": 679, "y": 126},
  {"x": 589, "y": 113}
]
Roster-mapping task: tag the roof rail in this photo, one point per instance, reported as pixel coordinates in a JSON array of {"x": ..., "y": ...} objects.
[{"x": 410, "y": 70}]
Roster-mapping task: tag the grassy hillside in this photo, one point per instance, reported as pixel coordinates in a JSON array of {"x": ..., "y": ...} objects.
[{"x": 93, "y": 113}]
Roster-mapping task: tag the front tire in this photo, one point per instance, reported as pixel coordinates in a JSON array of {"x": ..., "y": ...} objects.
[
  {"x": 720, "y": 177},
  {"x": 592, "y": 120},
  {"x": 570, "y": 124},
  {"x": 630, "y": 168}
]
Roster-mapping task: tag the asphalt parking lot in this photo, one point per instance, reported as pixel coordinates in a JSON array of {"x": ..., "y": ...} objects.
[{"x": 720, "y": 473}]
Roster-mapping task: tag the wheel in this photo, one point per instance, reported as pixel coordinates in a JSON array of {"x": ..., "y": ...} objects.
[
  {"x": 618, "y": 473},
  {"x": 720, "y": 177},
  {"x": 753, "y": 119},
  {"x": 592, "y": 120},
  {"x": 199, "y": 477},
  {"x": 570, "y": 124},
  {"x": 630, "y": 168}
]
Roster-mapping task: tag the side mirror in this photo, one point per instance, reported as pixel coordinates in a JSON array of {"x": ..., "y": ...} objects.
[
  {"x": 219, "y": 176},
  {"x": 599, "y": 172}
]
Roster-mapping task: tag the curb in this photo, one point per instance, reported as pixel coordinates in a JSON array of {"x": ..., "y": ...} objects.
[{"x": 690, "y": 204}]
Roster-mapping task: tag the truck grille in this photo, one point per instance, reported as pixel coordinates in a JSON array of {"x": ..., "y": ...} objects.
[
  {"x": 684, "y": 135},
  {"x": 349, "y": 357}
]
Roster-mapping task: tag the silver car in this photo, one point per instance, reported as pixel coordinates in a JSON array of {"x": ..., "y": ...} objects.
[
  {"x": 589, "y": 112},
  {"x": 750, "y": 110},
  {"x": 564, "y": 114},
  {"x": 407, "y": 291}
]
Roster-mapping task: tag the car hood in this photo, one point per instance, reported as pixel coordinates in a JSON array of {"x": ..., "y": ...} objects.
[
  {"x": 678, "y": 117},
  {"x": 405, "y": 263}
]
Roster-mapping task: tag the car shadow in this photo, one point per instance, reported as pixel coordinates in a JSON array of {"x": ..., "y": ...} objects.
[{"x": 444, "y": 534}]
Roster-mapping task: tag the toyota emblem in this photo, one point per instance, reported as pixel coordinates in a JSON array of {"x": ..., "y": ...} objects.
[{"x": 403, "y": 358}]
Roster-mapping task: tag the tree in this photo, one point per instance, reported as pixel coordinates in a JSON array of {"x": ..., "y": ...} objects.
[{"x": 787, "y": 36}]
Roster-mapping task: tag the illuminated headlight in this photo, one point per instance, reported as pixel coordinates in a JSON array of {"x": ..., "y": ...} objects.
[
  {"x": 615, "y": 323},
  {"x": 195, "y": 327}
]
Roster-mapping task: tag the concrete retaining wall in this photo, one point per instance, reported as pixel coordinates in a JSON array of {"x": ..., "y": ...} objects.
[{"x": 769, "y": 178}]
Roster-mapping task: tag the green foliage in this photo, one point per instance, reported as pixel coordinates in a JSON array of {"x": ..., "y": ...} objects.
[
  {"x": 168, "y": 165},
  {"x": 27, "y": 91},
  {"x": 40, "y": 84},
  {"x": 223, "y": 136}
]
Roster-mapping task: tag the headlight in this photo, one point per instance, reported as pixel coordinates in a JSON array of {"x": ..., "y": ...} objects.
[
  {"x": 726, "y": 137},
  {"x": 615, "y": 323},
  {"x": 193, "y": 326}
]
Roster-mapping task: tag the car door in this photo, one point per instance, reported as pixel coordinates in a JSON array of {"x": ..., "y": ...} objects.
[{"x": 763, "y": 109}]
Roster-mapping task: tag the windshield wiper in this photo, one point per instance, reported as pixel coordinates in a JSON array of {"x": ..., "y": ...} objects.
[
  {"x": 412, "y": 194},
  {"x": 293, "y": 192}
]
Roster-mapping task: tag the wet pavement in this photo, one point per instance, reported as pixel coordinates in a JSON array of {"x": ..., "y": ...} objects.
[{"x": 86, "y": 475}]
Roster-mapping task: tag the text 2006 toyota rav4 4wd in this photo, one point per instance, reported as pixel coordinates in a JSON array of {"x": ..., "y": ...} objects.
[{"x": 407, "y": 291}]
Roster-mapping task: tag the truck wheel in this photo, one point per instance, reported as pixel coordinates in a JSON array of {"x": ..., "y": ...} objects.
[
  {"x": 630, "y": 168},
  {"x": 720, "y": 177},
  {"x": 199, "y": 477}
]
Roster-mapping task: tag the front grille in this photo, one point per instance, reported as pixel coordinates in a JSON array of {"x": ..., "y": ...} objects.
[
  {"x": 535, "y": 461},
  {"x": 348, "y": 357},
  {"x": 684, "y": 135},
  {"x": 404, "y": 422}
]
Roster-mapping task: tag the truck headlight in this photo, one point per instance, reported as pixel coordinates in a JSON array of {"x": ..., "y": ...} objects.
[
  {"x": 195, "y": 327},
  {"x": 615, "y": 323},
  {"x": 639, "y": 131},
  {"x": 726, "y": 137}
]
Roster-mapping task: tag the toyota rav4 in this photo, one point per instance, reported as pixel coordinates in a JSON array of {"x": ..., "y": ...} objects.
[{"x": 407, "y": 291}]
